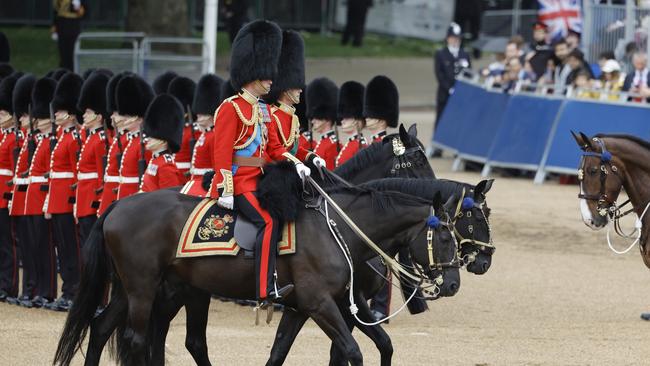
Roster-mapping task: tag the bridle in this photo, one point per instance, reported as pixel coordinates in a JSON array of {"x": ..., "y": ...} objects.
[
  {"x": 464, "y": 209},
  {"x": 433, "y": 223},
  {"x": 401, "y": 156},
  {"x": 605, "y": 205}
]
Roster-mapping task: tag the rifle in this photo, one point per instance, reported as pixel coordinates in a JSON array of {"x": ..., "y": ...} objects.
[
  {"x": 31, "y": 144},
  {"x": 118, "y": 137},
  {"x": 53, "y": 122},
  {"x": 311, "y": 135},
  {"x": 192, "y": 136},
  {"x": 106, "y": 145},
  {"x": 142, "y": 163},
  {"x": 18, "y": 137}
]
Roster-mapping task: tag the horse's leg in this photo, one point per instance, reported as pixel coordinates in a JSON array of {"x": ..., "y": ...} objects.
[
  {"x": 139, "y": 316},
  {"x": 164, "y": 310},
  {"x": 289, "y": 327},
  {"x": 196, "y": 309},
  {"x": 102, "y": 327},
  {"x": 327, "y": 315},
  {"x": 336, "y": 356}
]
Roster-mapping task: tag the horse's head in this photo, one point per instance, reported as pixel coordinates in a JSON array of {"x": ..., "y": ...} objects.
[
  {"x": 601, "y": 180},
  {"x": 435, "y": 249},
  {"x": 405, "y": 156},
  {"x": 472, "y": 229}
]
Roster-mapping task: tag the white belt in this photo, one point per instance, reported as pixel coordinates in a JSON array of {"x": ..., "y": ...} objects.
[
  {"x": 87, "y": 176},
  {"x": 61, "y": 175},
  {"x": 6, "y": 172},
  {"x": 130, "y": 180},
  {"x": 111, "y": 179},
  {"x": 21, "y": 181},
  {"x": 182, "y": 165},
  {"x": 37, "y": 179},
  {"x": 197, "y": 171}
]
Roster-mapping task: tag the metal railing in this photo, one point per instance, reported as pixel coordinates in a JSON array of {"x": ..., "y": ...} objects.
[
  {"x": 172, "y": 56},
  {"x": 119, "y": 51}
]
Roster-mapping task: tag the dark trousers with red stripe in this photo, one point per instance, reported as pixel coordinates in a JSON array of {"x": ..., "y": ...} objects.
[
  {"x": 44, "y": 257},
  {"x": 266, "y": 243},
  {"x": 85, "y": 225},
  {"x": 8, "y": 258},
  {"x": 27, "y": 251},
  {"x": 67, "y": 244}
]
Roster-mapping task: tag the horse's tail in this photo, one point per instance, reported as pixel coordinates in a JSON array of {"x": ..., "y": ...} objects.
[
  {"x": 416, "y": 305},
  {"x": 92, "y": 287}
]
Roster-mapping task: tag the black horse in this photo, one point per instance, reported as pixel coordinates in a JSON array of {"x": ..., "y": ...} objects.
[{"x": 390, "y": 219}]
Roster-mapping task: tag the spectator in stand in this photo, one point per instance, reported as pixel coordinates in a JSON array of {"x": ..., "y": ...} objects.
[
  {"x": 604, "y": 57},
  {"x": 513, "y": 51},
  {"x": 637, "y": 82},
  {"x": 547, "y": 78},
  {"x": 493, "y": 74},
  {"x": 541, "y": 51},
  {"x": 562, "y": 69},
  {"x": 516, "y": 74},
  {"x": 577, "y": 64},
  {"x": 611, "y": 79},
  {"x": 573, "y": 40},
  {"x": 626, "y": 58},
  {"x": 582, "y": 84}
]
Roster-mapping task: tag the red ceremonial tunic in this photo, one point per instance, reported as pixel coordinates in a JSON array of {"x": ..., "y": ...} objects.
[
  {"x": 235, "y": 128},
  {"x": 112, "y": 173},
  {"x": 21, "y": 180},
  {"x": 201, "y": 164},
  {"x": 162, "y": 172},
  {"x": 305, "y": 141},
  {"x": 287, "y": 128},
  {"x": 129, "y": 170},
  {"x": 354, "y": 144},
  {"x": 7, "y": 168},
  {"x": 90, "y": 173},
  {"x": 327, "y": 148},
  {"x": 38, "y": 183},
  {"x": 183, "y": 156},
  {"x": 63, "y": 167},
  {"x": 379, "y": 136}
]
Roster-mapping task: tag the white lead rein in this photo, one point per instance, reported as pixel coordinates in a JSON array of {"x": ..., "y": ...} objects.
[{"x": 638, "y": 227}]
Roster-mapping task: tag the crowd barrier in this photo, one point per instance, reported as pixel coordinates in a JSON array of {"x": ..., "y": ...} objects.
[{"x": 528, "y": 131}]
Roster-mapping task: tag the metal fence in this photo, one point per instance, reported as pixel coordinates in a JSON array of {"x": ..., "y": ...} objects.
[{"x": 116, "y": 51}]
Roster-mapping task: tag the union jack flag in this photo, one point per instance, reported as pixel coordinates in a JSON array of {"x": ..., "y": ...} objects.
[{"x": 560, "y": 16}]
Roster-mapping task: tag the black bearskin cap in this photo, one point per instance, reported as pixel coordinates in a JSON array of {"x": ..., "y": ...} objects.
[
  {"x": 133, "y": 96},
  {"x": 351, "y": 100},
  {"x": 322, "y": 95},
  {"x": 93, "y": 94},
  {"x": 5, "y": 70},
  {"x": 56, "y": 74},
  {"x": 226, "y": 92},
  {"x": 206, "y": 97},
  {"x": 161, "y": 82},
  {"x": 22, "y": 95},
  {"x": 381, "y": 100},
  {"x": 164, "y": 121},
  {"x": 42, "y": 95},
  {"x": 183, "y": 89},
  {"x": 5, "y": 51},
  {"x": 7, "y": 86},
  {"x": 111, "y": 87},
  {"x": 86, "y": 74},
  {"x": 67, "y": 93},
  {"x": 291, "y": 66},
  {"x": 255, "y": 53}
]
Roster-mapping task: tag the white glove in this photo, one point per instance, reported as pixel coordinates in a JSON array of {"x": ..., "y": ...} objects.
[
  {"x": 302, "y": 170},
  {"x": 55, "y": 36},
  {"x": 226, "y": 202},
  {"x": 319, "y": 162},
  {"x": 76, "y": 4}
]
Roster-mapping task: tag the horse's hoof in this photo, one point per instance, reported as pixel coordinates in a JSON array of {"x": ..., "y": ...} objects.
[{"x": 645, "y": 316}]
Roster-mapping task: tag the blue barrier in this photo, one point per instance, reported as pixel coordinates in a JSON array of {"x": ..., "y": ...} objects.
[
  {"x": 521, "y": 139},
  {"x": 591, "y": 117},
  {"x": 462, "y": 108}
]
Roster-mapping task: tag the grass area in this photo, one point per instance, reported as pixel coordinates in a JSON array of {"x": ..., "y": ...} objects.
[{"x": 33, "y": 51}]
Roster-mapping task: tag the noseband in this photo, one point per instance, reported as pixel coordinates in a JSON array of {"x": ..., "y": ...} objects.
[
  {"x": 464, "y": 209},
  {"x": 605, "y": 204},
  {"x": 433, "y": 223}
]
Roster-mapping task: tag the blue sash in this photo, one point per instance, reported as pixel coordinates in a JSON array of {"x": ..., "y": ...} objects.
[{"x": 257, "y": 140}]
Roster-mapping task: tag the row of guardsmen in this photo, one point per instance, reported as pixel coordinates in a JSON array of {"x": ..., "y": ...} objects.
[{"x": 70, "y": 145}]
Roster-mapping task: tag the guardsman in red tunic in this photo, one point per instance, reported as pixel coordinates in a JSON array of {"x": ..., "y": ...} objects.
[
  {"x": 321, "y": 111},
  {"x": 380, "y": 106},
  {"x": 116, "y": 149},
  {"x": 133, "y": 98},
  {"x": 9, "y": 138},
  {"x": 21, "y": 98},
  {"x": 206, "y": 100},
  {"x": 39, "y": 171},
  {"x": 163, "y": 126},
  {"x": 381, "y": 110},
  {"x": 93, "y": 155},
  {"x": 59, "y": 204},
  {"x": 183, "y": 89},
  {"x": 350, "y": 113},
  {"x": 285, "y": 94},
  {"x": 243, "y": 143}
]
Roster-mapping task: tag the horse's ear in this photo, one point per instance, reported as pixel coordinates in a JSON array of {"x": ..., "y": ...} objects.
[
  {"x": 586, "y": 140},
  {"x": 403, "y": 135},
  {"x": 451, "y": 203},
  {"x": 413, "y": 130},
  {"x": 579, "y": 140},
  {"x": 482, "y": 188}
]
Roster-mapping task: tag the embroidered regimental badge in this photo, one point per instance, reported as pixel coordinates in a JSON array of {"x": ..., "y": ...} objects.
[{"x": 215, "y": 227}]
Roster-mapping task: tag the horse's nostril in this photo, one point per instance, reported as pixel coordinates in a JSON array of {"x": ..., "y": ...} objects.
[
  {"x": 453, "y": 287},
  {"x": 485, "y": 266}
]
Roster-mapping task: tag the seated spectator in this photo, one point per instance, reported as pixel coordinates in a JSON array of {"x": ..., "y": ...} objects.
[
  {"x": 541, "y": 51},
  {"x": 494, "y": 72},
  {"x": 573, "y": 40},
  {"x": 582, "y": 86},
  {"x": 602, "y": 58},
  {"x": 516, "y": 75},
  {"x": 637, "y": 82},
  {"x": 547, "y": 77},
  {"x": 611, "y": 80},
  {"x": 520, "y": 43},
  {"x": 512, "y": 51},
  {"x": 576, "y": 63},
  {"x": 562, "y": 69}
]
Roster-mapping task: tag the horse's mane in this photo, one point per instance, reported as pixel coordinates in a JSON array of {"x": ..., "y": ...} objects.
[
  {"x": 361, "y": 160},
  {"x": 423, "y": 188},
  {"x": 638, "y": 140}
]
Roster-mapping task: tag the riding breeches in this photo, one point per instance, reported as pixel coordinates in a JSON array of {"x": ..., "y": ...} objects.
[{"x": 266, "y": 241}]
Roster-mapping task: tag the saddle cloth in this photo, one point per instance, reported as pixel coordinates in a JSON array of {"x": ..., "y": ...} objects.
[{"x": 213, "y": 230}]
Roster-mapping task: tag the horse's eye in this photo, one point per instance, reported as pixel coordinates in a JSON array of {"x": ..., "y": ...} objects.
[{"x": 593, "y": 170}]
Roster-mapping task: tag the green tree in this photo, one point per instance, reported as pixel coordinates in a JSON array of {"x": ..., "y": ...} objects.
[{"x": 158, "y": 17}]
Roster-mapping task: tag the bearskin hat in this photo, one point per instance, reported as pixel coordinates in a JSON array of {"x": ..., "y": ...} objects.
[
  {"x": 93, "y": 94},
  {"x": 67, "y": 93},
  {"x": 5, "y": 51},
  {"x": 5, "y": 70},
  {"x": 322, "y": 95},
  {"x": 42, "y": 95},
  {"x": 22, "y": 94},
  {"x": 255, "y": 53},
  {"x": 206, "y": 96},
  {"x": 164, "y": 121},
  {"x": 86, "y": 74},
  {"x": 183, "y": 89},
  {"x": 7, "y": 86},
  {"x": 291, "y": 66},
  {"x": 133, "y": 96},
  {"x": 227, "y": 91},
  {"x": 350, "y": 103},
  {"x": 56, "y": 74},
  {"x": 381, "y": 100},
  {"x": 111, "y": 102},
  {"x": 161, "y": 82}
]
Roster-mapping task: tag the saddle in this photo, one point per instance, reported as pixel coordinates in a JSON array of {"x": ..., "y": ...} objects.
[{"x": 213, "y": 230}]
